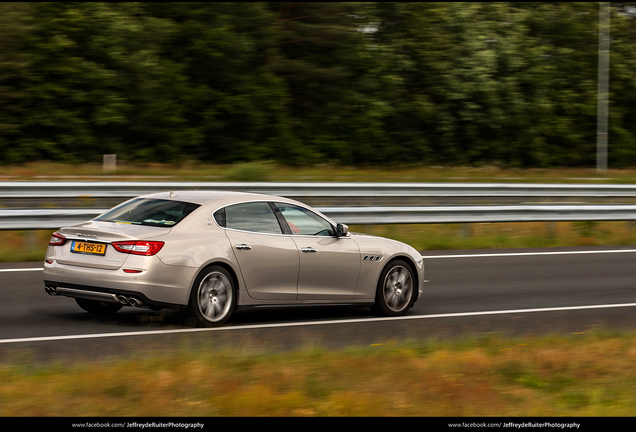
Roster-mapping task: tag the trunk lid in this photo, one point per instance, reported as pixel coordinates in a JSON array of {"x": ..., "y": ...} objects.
[{"x": 100, "y": 253}]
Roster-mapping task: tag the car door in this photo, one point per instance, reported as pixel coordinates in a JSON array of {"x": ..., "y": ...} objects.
[
  {"x": 268, "y": 259},
  {"x": 329, "y": 265}
]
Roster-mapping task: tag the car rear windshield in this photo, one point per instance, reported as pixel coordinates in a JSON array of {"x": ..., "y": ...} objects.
[{"x": 150, "y": 212}]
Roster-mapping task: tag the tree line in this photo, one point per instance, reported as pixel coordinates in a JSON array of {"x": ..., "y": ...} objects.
[{"x": 449, "y": 83}]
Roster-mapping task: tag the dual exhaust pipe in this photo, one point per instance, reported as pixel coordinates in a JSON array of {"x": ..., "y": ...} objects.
[{"x": 132, "y": 301}]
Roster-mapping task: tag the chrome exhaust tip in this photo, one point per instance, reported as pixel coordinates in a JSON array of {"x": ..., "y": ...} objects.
[
  {"x": 123, "y": 300},
  {"x": 134, "y": 302},
  {"x": 52, "y": 291}
]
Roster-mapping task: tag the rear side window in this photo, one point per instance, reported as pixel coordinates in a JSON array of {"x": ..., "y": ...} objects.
[
  {"x": 150, "y": 212},
  {"x": 254, "y": 217},
  {"x": 219, "y": 216}
]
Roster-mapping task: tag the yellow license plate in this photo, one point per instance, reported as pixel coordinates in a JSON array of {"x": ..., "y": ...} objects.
[{"x": 88, "y": 248}]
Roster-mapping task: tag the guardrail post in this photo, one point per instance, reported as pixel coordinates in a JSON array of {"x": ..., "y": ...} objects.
[
  {"x": 30, "y": 239},
  {"x": 550, "y": 228},
  {"x": 466, "y": 230},
  {"x": 110, "y": 162}
]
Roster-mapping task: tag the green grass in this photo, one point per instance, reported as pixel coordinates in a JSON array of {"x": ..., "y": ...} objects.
[
  {"x": 506, "y": 234},
  {"x": 577, "y": 375},
  {"x": 269, "y": 171},
  {"x": 30, "y": 246},
  {"x": 23, "y": 246}
]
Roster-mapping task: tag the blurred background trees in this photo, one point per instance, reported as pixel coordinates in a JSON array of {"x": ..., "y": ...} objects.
[{"x": 503, "y": 83}]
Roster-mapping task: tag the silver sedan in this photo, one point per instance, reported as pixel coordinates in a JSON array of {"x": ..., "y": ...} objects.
[{"x": 210, "y": 253}]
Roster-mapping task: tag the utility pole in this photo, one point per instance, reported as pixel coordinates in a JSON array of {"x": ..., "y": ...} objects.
[{"x": 603, "y": 85}]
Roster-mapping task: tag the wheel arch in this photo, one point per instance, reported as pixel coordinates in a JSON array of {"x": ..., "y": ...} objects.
[
  {"x": 412, "y": 266},
  {"x": 409, "y": 260},
  {"x": 227, "y": 267}
]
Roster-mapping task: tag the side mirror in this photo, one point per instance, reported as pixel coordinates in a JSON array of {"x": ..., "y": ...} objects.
[{"x": 342, "y": 230}]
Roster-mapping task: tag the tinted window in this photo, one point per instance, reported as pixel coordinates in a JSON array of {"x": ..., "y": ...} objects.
[
  {"x": 219, "y": 216},
  {"x": 153, "y": 212},
  {"x": 304, "y": 222},
  {"x": 255, "y": 217}
]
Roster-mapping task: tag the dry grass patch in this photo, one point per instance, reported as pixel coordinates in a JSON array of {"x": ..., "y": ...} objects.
[
  {"x": 591, "y": 375},
  {"x": 270, "y": 171},
  {"x": 22, "y": 246},
  {"x": 506, "y": 234}
]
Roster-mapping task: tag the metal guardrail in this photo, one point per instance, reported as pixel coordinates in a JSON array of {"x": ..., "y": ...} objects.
[
  {"x": 32, "y": 219},
  {"x": 113, "y": 189},
  {"x": 53, "y": 218},
  {"x": 476, "y": 214},
  {"x": 28, "y": 219}
]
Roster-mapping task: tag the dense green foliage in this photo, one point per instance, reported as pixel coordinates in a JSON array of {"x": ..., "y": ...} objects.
[{"x": 505, "y": 83}]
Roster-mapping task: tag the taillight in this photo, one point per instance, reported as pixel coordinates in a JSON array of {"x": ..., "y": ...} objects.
[
  {"x": 57, "y": 239},
  {"x": 140, "y": 247}
]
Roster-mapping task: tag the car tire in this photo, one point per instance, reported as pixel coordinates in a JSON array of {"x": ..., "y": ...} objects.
[
  {"x": 213, "y": 297},
  {"x": 97, "y": 307},
  {"x": 396, "y": 289}
]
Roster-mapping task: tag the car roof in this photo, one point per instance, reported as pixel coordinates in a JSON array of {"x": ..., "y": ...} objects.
[{"x": 219, "y": 197}]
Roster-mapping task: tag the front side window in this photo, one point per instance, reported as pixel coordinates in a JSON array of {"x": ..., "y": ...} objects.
[
  {"x": 302, "y": 221},
  {"x": 254, "y": 217},
  {"x": 150, "y": 212}
]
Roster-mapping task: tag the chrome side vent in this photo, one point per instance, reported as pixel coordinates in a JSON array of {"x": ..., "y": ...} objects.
[{"x": 372, "y": 258}]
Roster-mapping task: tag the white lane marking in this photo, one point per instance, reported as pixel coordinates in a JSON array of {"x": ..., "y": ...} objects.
[
  {"x": 308, "y": 323},
  {"x": 529, "y": 253},
  {"x": 20, "y": 270},
  {"x": 442, "y": 256},
  {"x": 261, "y": 326}
]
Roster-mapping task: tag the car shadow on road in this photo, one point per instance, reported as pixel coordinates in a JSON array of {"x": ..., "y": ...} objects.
[{"x": 145, "y": 319}]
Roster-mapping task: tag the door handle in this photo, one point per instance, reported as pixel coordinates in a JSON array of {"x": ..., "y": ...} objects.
[
  {"x": 308, "y": 250},
  {"x": 243, "y": 247}
]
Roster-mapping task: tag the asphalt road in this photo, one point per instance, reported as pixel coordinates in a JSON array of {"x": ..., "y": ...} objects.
[{"x": 514, "y": 292}]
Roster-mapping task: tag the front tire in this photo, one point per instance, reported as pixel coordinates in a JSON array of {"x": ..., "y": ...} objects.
[
  {"x": 213, "y": 297},
  {"x": 396, "y": 290},
  {"x": 97, "y": 307}
]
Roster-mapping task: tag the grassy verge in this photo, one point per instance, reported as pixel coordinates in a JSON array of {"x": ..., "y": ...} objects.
[
  {"x": 30, "y": 246},
  {"x": 506, "y": 235},
  {"x": 266, "y": 171},
  {"x": 576, "y": 375},
  {"x": 580, "y": 375},
  {"x": 23, "y": 246}
]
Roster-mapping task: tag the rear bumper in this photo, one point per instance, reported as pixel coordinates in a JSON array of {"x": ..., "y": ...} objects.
[
  {"x": 157, "y": 284},
  {"x": 106, "y": 295}
]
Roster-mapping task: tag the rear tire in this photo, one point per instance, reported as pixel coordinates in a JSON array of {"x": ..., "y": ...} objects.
[
  {"x": 396, "y": 290},
  {"x": 97, "y": 307},
  {"x": 213, "y": 297}
]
